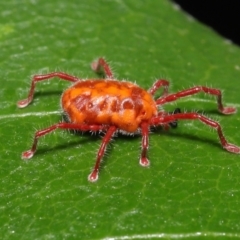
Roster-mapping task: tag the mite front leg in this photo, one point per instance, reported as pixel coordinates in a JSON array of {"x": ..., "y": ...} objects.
[
  {"x": 93, "y": 177},
  {"x": 195, "y": 116},
  {"x": 100, "y": 64},
  {"x": 37, "y": 78},
  {"x": 195, "y": 90}
]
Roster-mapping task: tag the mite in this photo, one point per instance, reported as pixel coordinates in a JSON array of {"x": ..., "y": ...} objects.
[{"x": 111, "y": 106}]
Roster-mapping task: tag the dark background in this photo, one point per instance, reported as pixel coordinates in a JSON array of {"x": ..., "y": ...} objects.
[{"x": 221, "y": 15}]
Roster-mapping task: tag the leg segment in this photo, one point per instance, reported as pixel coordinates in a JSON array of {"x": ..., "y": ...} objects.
[
  {"x": 195, "y": 90},
  {"x": 193, "y": 116},
  {"x": 143, "y": 159},
  {"x": 158, "y": 84},
  {"x": 93, "y": 177},
  {"x": 84, "y": 127},
  {"x": 37, "y": 78},
  {"x": 100, "y": 64}
]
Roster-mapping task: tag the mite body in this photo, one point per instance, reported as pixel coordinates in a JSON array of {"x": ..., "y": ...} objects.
[{"x": 108, "y": 102}]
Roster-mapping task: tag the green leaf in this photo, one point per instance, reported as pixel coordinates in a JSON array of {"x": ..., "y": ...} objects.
[{"x": 191, "y": 188}]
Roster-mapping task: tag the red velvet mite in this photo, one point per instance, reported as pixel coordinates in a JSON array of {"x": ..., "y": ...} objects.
[{"x": 114, "y": 106}]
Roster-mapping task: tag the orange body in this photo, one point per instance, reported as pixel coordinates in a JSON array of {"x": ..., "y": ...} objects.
[{"x": 109, "y": 102}]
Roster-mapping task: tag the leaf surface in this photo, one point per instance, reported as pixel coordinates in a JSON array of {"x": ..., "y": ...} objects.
[{"x": 192, "y": 186}]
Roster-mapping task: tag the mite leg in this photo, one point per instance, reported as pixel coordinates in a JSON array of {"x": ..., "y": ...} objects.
[
  {"x": 145, "y": 143},
  {"x": 158, "y": 84},
  {"x": 195, "y": 90},
  {"x": 94, "y": 174},
  {"x": 100, "y": 64},
  {"x": 84, "y": 127},
  {"x": 37, "y": 78},
  {"x": 195, "y": 116}
]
